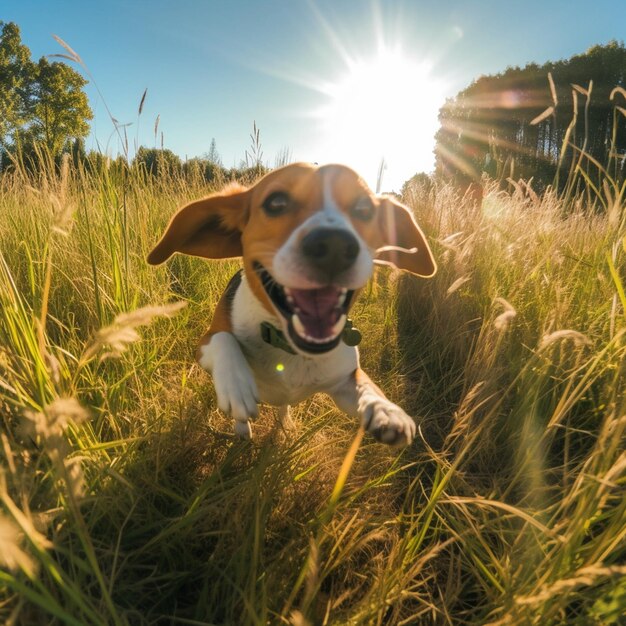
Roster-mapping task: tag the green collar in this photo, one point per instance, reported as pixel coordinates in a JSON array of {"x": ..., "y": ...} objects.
[
  {"x": 270, "y": 334},
  {"x": 350, "y": 335}
]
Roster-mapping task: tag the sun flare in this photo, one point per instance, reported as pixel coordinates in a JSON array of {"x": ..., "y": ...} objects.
[{"x": 384, "y": 107}]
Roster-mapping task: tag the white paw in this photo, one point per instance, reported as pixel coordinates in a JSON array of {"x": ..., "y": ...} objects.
[
  {"x": 234, "y": 383},
  {"x": 386, "y": 421},
  {"x": 284, "y": 415},
  {"x": 243, "y": 430},
  {"x": 236, "y": 391}
]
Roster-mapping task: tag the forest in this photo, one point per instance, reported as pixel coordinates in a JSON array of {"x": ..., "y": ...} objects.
[{"x": 537, "y": 121}]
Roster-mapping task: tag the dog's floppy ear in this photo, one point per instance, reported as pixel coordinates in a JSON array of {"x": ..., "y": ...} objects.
[
  {"x": 400, "y": 230},
  {"x": 209, "y": 228}
]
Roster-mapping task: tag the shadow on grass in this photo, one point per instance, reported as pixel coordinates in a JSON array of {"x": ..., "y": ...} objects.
[
  {"x": 434, "y": 343},
  {"x": 214, "y": 529}
]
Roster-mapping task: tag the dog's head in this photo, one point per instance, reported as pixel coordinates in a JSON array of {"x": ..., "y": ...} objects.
[{"x": 308, "y": 237}]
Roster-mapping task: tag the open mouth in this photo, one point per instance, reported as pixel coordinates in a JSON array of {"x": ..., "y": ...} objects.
[{"x": 315, "y": 317}]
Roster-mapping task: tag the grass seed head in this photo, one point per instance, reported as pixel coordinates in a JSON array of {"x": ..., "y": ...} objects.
[
  {"x": 504, "y": 319},
  {"x": 561, "y": 335},
  {"x": 12, "y": 556},
  {"x": 121, "y": 333}
]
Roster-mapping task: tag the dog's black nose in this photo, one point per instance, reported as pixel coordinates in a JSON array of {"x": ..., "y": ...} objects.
[{"x": 331, "y": 250}]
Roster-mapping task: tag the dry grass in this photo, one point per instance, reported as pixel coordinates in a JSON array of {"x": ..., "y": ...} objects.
[{"x": 126, "y": 499}]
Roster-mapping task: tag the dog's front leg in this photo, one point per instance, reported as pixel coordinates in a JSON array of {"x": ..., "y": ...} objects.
[
  {"x": 233, "y": 379},
  {"x": 357, "y": 395}
]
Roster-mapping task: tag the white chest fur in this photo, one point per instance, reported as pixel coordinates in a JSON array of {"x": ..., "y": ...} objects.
[{"x": 284, "y": 378}]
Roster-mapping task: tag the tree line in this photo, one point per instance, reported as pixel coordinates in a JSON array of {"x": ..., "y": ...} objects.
[
  {"x": 531, "y": 122},
  {"x": 45, "y": 113},
  {"x": 539, "y": 121}
]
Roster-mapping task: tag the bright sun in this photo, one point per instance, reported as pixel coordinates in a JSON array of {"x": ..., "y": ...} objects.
[{"x": 385, "y": 107}]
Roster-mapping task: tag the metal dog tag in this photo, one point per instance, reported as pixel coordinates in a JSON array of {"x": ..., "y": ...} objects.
[{"x": 351, "y": 336}]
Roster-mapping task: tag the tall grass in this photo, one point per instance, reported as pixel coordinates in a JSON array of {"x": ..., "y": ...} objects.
[{"x": 127, "y": 500}]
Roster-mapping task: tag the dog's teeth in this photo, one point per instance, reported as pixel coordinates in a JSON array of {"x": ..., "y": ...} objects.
[
  {"x": 290, "y": 299},
  {"x": 338, "y": 327},
  {"x": 344, "y": 291},
  {"x": 298, "y": 326},
  {"x": 342, "y": 297}
]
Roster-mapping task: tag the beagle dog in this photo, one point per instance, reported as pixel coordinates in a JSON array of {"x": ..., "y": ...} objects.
[{"x": 309, "y": 237}]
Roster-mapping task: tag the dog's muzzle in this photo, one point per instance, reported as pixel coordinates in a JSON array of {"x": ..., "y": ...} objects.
[{"x": 315, "y": 318}]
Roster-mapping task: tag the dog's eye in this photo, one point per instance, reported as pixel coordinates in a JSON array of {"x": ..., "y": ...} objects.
[
  {"x": 276, "y": 203},
  {"x": 362, "y": 209}
]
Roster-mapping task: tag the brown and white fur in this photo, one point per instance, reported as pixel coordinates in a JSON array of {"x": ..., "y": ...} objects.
[{"x": 309, "y": 237}]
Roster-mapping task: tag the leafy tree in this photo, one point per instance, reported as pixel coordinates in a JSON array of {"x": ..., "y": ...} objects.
[
  {"x": 421, "y": 179},
  {"x": 40, "y": 103},
  {"x": 16, "y": 72},
  {"x": 158, "y": 162},
  {"x": 204, "y": 168},
  {"x": 60, "y": 109}
]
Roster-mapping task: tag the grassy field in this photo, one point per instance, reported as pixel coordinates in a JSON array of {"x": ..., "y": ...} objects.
[{"x": 125, "y": 498}]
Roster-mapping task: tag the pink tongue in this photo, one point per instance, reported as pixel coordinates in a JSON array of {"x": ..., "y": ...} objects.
[{"x": 317, "y": 310}]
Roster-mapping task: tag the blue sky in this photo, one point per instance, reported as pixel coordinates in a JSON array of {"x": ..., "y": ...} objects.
[{"x": 214, "y": 67}]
